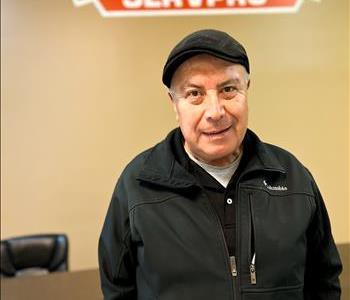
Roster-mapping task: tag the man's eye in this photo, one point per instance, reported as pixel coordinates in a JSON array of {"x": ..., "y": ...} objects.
[
  {"x": 229, "y": 89},
  {"x": 193, "y": 93},
  {"x": 194, "y": 96}
]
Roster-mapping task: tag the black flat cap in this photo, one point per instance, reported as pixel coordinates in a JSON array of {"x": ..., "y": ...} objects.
[{"x": 209, "y": 41}]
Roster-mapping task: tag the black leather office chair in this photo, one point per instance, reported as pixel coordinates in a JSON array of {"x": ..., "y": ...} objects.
[{"x": 34, "y": 254}]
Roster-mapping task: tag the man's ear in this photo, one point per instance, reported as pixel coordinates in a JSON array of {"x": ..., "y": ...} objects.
[
  {"x": 173, "y": 102},
  {"x": 248, "y": 84}
]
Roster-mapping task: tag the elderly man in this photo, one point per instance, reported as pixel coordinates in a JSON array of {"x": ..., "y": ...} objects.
[{"x": 212, "y": 212}]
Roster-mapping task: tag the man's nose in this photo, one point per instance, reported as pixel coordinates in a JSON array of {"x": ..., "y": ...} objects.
[{"x": 214, "y": 108}]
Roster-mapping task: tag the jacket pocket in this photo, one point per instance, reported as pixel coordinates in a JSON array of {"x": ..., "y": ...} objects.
[{"x": 273, "y": 247}]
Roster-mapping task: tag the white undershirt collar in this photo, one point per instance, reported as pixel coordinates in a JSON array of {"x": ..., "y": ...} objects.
[{"x": 222, "y": 174}]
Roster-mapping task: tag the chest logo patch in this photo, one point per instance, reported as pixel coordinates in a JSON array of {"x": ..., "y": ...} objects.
[{"x": 275, "y": 188}]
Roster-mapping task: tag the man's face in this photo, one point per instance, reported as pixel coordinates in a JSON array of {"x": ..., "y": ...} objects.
[{"x": 210, "y": 101}]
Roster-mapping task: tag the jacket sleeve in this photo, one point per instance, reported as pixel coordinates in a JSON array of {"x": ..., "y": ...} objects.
[
  {"x": 323, "y": 265},
  {"x": 115, "y": 254}
]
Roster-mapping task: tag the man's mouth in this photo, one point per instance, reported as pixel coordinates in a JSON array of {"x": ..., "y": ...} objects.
[{"x": 217, "y": 132}]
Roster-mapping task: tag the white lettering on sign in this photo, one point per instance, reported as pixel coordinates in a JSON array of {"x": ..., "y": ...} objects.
[
  {"x": 126, "y": 8},
  {"x": 176, "y": 3},
  {"x": 153, "y": 3},
  {"x": 192, "y": 3},
  {"x": 195, "y": 3},
  {"x": 132, "y": 3},
  {"x": 257, "y": 2},
  {"x": 246, "y": 2},
  {"x": 212, "y": 3},
  {"x": 239, "y": 2}
]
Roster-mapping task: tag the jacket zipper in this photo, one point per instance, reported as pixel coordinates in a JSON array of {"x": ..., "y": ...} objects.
[
  {"x": 252, "y": 252},
  {"x": 252, "y": 271},
  {"x": 233, "y": 266}
]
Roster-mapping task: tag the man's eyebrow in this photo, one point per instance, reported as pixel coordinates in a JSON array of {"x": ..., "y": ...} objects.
[
  {"x": 191, "y": 85},
  {"x": 188, "y": 84},
  {"x": 229, "y": 81}
]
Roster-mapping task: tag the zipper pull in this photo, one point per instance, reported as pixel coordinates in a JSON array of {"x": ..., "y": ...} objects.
[
  {"x": 253, "y": 271},
  {"x": 233, "y": 266}
]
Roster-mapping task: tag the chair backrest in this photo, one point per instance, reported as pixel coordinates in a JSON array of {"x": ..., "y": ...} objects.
[{"x": 34, "y": 254}]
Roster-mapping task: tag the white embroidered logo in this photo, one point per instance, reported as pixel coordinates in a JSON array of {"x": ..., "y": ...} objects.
[{"x": 275, "y": 188}]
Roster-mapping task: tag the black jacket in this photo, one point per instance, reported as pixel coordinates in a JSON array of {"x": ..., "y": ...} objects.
[{"x": 163, "y": 240}]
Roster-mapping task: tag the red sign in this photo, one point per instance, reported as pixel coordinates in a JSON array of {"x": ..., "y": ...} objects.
[{"x": 123, "y": 8}]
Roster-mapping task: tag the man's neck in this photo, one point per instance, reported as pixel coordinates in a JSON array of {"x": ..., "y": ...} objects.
[{"x": 221, "y": 162}]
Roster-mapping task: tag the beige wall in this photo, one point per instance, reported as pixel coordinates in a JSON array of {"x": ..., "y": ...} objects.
[{"x": 82, "y": 95}]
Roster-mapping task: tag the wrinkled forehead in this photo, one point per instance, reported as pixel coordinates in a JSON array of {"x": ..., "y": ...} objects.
[{"x": 205, "y": 69}]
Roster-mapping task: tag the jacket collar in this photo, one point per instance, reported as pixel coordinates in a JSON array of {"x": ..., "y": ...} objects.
[
  {"x": 260, "y": 155},
  {"x": 161, "y": 168}
]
